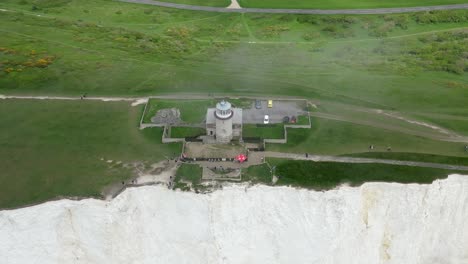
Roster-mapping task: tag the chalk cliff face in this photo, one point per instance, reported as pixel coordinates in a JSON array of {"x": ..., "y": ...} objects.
[{"x": 375, "y": 223}]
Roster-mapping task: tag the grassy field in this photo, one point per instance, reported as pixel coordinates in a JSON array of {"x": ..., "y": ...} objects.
[
  {"x": 191, "y": 111},
  {"x": 335, "y": 138},
  {"x": 343, "y": 4},
  {"x": 415, "y": 157},
  {"x": 188, "y": 173},
  {"x": 61, "y": 148},
  {"x": 328, "y": 175},
  {"x": 257, "y": 174},
  {"x": 275, "y": 131},
  {"x": 183, "y": 132}
]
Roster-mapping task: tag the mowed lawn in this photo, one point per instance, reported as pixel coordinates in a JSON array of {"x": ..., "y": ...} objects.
[
  {"x": 343, "y": 4},
  {"x": 191, "y": 111},
  {"x": 61, "y": 148}
]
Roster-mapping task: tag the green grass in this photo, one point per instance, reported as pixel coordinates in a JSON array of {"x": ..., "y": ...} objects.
[
  {"x": 342, "y": 4},
  {"x": 302, "y": 120},
  {"x": 275, "y": 131},
  {"x": 241, "y": 102},
  {"x": 257, "y": 174},
  {"x": 414, "y": 157},
  {"x": 191, "y": 111},
  {"x": 54, "y": 148},
  {"x": 332, "y": 137},
  {"x": 328, "y": 175},
  {"x": 188, "y": 173},
  {"x": 183, "y": 132}
]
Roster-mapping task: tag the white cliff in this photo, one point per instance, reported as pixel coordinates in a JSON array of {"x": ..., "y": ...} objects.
[{"x": 375, "y": 223}]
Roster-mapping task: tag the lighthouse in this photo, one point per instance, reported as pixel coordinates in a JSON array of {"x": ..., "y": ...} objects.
[{"x": 223, "y": 115}]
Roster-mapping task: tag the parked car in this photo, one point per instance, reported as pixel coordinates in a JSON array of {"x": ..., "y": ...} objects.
[
  {"x": 266, "y": 119},
  {"x": 286, "y": 119},
  {"x": 258, "y": 104},
  {"x": 270, "y": 103}
]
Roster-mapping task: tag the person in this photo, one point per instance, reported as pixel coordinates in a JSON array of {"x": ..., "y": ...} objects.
[{"x": 307, "y": 155}]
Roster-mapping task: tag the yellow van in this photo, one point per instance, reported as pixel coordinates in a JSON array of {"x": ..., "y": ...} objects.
[{"x": 270, "y": 103}]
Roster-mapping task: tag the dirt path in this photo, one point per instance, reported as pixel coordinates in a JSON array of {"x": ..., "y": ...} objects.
[
  {"x": 234, "y": 5},
  {"x": 300, "y": 11},
  {"x": 258, "y": 155}
]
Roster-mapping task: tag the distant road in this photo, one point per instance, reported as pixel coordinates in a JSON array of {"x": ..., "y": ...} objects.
[{"x": 300, "y": 11}]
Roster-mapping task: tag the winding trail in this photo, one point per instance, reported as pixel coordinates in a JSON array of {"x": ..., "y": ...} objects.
[{"x": 300, "y": 11}]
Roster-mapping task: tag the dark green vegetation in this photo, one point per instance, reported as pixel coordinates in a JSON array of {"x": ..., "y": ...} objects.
[
  {"x": 184, "y": 132},
  {"x": 217, "y": 3},
  {"x": 188, "y": 174},
  {"x": 61, "y": 148},
  {"x": 241, "y": 102},
  {"x": 328, "y": 175},
  {"x": 257, "y": 174},
  {"x": 414, "y": 157},
  {"x": 191, "y": 111},
  {"x": 302, "y": 120},
  {"x": 343, "y": 4},
  {"x": 273, "y": 131}
]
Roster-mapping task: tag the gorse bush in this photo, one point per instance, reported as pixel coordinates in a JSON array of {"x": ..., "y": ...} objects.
[{"x": 452, "y": 16}]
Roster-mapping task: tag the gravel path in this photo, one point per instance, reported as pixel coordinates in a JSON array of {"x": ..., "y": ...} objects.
[
  {"x": 340, "y": 159},
  {"x": 299, "y": 11}
]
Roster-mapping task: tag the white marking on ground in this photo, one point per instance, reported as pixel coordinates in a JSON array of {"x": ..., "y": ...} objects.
[
  {"x": 234, "y": 5},
  {"x": 140, "y": 101},
  {"x": 439, "y": 129}
]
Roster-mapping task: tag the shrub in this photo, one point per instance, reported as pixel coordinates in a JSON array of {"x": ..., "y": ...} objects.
[
  {"x": 449, "y": 16},
  {"x": 330, "y": 28},
  {"x": 308, "y": 19}
]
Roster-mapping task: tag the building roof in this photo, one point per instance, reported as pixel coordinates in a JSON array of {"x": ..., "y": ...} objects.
[
  {"x": 223, "y": 105},
  {"x": 236, "y": 118}
]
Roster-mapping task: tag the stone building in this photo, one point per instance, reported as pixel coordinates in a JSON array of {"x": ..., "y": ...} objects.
[{"x": 224, "y": 122}]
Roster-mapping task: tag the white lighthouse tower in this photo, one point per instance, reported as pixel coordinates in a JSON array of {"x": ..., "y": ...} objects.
[{"x": 223, "y": 116}]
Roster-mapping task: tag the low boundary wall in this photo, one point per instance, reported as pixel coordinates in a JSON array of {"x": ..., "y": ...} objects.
[{"x": 167, "y": 139}]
